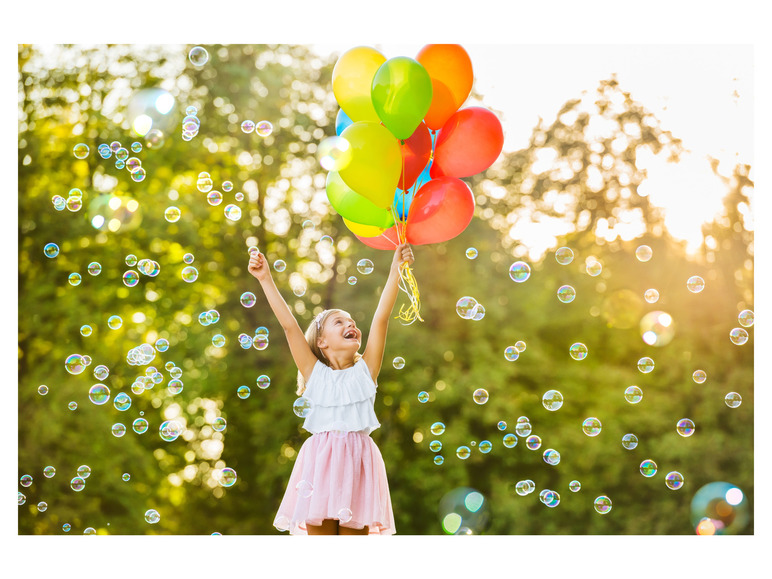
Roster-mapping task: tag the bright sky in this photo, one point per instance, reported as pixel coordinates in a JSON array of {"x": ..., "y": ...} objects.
[{"x": 702, "y": 94}]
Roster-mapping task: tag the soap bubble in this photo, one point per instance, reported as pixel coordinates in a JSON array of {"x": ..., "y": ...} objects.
[
  {"x": 522, "y": 488},
  {"x": 232, "y": 212},
  {"x": 334, "y": 153},
  {"x": 247, "y": 126},
  {"x": 84, "y": 471},
  {"x": 302, "y": 407},
  {"x": 533, "y": 442},
  {"x": 629, "y": 441},
  {"x": 485, "y": 446},
  {"x": 122, "y": 401},
  {"x": 574, "y": 486},
  {"x": 66, "y": 527},
  {"x": 648, "y": 468},
  {"x": 651, "y": 295},
  {"x": 94, "y": 268},
  {"x": 74, "y": 364},
  {"x": 365, "y": 266},
  {"x": 643, "y": 253},
  {"x": 263, "y": 381},
  {"x": 118, "y": 430},
  {"x": 42, "y": 389},
  {"x": 152, "y": 516},
  {"x": 77, "y": 484},
  {"x": 645, "y": 365},
  {"x": 172, "y": 214},
  {"x": 130, "y": 278},
  {"x": 398, "y": 363},
  {"x": 198, "y": 56},
  {"x": 218, "y": 340},
  {"x": 219, "y": 424},
  {"x": 549, "y": 497},
  {"x": 463, "y": 452},
  {"x": 523, "y": 427},
  {"x": 463, "y": 511},
  {"x": 633, "y": 394},
  {"x": 99, "y": 394},
  {"x": 738, "y": 336},
  {"x": 657, "y": 328},
  {"x": 188, "y": 258},
  {"x": 204, "y": 182},
  {"x": 552, "y": 400},
  {"x": 114, "y": 322},
  {"x": 578, "y": 351},
  {"x": 466, "y": 307},
  {"x": 480, "y": 396},
  {"x": 423, "y": 397},
  {"x": 248, "y": 299},
  {"x": 175, "y": 386},
  {"x": 352, "y": 280},
  {"x": 74, "y": 203},
  {"x": 719, "y": 508},
  {"x": 25, "y": 480},
  {"x": 566, "y": 294},
  {"x": 733, "y": 399},
  {"x": 511, "y": 353},
  {"x": 138, "y": 175},
  {"x": 699, "y": 376},
  {"x": 745, "y": 318},
  {"x": 189, "y": 274},
  {"x": 471, "y": 253},
  {"x": 602, "y": 504},
  {"x": 279, "y": 265},
  {"x": 551, "y": 456},
  {"x": 59, "y": 202},
  {"x": 74, "y": 279},
  {"x": 437, "y": 428},
  {"x": 479, "y": 312},
  {"x": 49, "y": 472},
  {"x": 155, "y": 139},
  {"x": 685, "y": 427},
  {"x": 162, "y": 344},
  {"x": 51, "y": 250},
  {"x": 591, "y": 426},
  {"x": 674, "y": 480},
  {"x": 520, "y": 346},
  {"x": 564, "y": 256},
  {"x": 593, "y": 266},
  {"x": 519, "y": 271},
  {"x": 140, "y": 425},
  {"x": 435, "y": 446},
  {"x": 509, "y": 440},
  {"x": 264, "y": 128},
  {"x": 170, "y": 430},
  {"x": 243, "y": 392},
  {"x": 695, "y": 284},
  {"x": 80, "y": 151},
  {"x": 72, "y": 405},
  {"x": 501, "y": 425}
]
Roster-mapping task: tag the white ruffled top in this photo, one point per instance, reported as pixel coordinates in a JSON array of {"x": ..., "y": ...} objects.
[{"x": 341, "y": 400}]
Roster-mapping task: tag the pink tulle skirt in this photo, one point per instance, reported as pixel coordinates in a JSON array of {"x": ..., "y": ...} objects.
[{"x": 337, "y": 475}]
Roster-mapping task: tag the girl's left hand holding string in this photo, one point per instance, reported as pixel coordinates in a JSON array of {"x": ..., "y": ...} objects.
[{"x": 403, "y": 254}]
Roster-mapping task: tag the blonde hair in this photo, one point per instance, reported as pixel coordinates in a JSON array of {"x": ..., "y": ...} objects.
[{"x": 313, "y": 333}]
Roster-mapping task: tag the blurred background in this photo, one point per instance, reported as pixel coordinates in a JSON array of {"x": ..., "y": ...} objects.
[{"x": 168, "y": 113}]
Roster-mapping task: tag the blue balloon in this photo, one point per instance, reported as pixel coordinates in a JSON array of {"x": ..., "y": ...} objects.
[{"x": 342, "y": 121}]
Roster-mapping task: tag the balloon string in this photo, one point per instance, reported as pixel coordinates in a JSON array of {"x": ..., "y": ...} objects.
[{"x": 407, "y": 282}]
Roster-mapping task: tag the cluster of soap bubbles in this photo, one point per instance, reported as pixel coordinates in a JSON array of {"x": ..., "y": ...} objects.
[
  {"x": 214, "y": 197},
  {"x": 512, "y": 353},
  {"x": 73, "y": 202},
  {"x": 469, "y": 308},
  {"x": 141, "y": 355},
  {"x": 265, "y": 128},
  {"x": 190, "y": 123},
  {"x": 124, "y": 158}
]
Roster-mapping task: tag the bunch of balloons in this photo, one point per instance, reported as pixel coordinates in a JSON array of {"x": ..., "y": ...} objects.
[{"x": 404, "y": 145}]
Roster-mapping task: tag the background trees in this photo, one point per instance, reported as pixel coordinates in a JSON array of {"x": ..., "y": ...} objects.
[{"x": 581, "y": 171}]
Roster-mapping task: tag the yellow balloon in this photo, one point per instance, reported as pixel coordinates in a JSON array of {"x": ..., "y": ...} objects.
[
  {"x": 376, "y": 162},
  {"x": 363, "y": 230},
  {"x": 352, "y": 80}
]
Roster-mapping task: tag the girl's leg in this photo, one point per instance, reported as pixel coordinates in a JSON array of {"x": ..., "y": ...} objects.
[
  {"x": 328, "y": 527},
  {"x": 347, "y": 531}
]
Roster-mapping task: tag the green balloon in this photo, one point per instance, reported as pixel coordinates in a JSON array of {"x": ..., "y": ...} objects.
[
  {"x": 353, "y": 206},
  {"x": 401, "y": 94}
]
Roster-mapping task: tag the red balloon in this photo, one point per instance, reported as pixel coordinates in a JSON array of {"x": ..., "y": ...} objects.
[
  {"x": 386, "y": 240},
  {"x": 416, "y": 152},
  {"x": 469, "y": 142},
  {"x": 440, "y": 210}
]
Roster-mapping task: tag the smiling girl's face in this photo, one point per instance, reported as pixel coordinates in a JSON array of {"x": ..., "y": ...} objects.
[{"x": 340, "y": 333}]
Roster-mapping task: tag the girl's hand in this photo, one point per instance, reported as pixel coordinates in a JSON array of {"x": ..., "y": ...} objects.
[
  {"x": 258, "y": 266},
  {"x": 403, "y": 254}
]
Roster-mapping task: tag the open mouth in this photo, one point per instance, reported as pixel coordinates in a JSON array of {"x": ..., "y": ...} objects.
[{"x": 350, "y": 335}]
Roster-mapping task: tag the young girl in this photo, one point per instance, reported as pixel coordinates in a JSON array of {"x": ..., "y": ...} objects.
[{"x": 338, "y": 485}]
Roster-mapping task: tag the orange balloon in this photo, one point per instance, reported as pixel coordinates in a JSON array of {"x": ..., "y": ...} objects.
[{"x": 450, "y": 69}]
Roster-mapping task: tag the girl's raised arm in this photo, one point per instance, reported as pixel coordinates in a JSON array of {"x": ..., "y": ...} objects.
[
  {"x": 301, "y": 352},
  {"x": 376, "y": 340}
]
